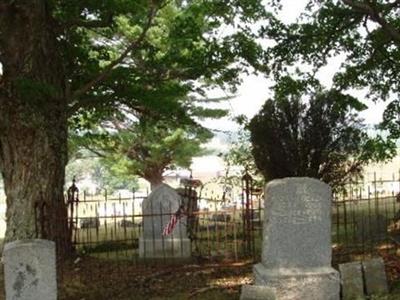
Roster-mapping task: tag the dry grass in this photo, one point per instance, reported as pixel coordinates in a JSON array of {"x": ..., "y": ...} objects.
[{"x": 97, "y": 279}]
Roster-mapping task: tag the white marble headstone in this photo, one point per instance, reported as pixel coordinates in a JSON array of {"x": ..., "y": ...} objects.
[
  {"x": 30, "y": 270},
  {"x": 157, "y": 210}
]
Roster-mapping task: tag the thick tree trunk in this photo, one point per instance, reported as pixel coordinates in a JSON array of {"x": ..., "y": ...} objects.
[
  {"x": 155, "y": 178},
  {"x": 33, "y": 163},
  {"x": 33, "y": 123}
]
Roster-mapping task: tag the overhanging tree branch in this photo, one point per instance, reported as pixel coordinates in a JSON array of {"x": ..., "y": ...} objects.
[
  {"x": 107, "y": 70},
  {"x": 95, "y": 152},
  {"x": 374, "y": 14}
]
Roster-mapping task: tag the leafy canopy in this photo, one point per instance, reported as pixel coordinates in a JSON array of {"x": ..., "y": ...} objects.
[
  {"x": 147, "y": 54},
  {"x": 364, "y": 33},
  {"x": 188, "y": 47},
  {"x": 146, "y": 145},
  {"x": 147, "y": 148},
  {"x": 318, "y": 136}
]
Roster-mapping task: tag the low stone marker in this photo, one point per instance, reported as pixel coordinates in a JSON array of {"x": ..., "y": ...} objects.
[
  {"x": 256, "y": 292},
  {"x": 157, "y": 209},
  {"x": 296, "y": 256},
  {"x": 30, "y": 270},
  {"x": 375, "y": 276},
  {"x": 351, "y": 276}
]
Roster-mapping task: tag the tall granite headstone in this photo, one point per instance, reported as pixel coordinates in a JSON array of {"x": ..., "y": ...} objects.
[
  {"x": 30, "y": 270},
  {"x": 296, "y": 256},
  {"x": 157, "y": 210}
]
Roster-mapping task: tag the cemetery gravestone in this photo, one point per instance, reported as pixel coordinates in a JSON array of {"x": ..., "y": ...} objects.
[
  {"x": 352, "y": 281},
  {"x": 157, "y": 210},
  {"x": 375, "y": 276},
  {"x": 30, "y": 270},
  {"x": 296, "y": 256}
]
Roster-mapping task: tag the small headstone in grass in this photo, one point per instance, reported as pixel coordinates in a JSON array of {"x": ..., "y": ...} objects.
[
  {"x": 30, "y": 270},
  {"x": 375, "y": 276},
  {"x": 296, "y": 255},
  {"x": 256, "y": 292},
  {"x": 352, "y": 281},
  {"x": 157, "y": 210}
]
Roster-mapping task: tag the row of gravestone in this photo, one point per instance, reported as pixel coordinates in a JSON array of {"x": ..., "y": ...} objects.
[
  {"x": 296, "y": 256},
  {"x": 361, "y": 279}
]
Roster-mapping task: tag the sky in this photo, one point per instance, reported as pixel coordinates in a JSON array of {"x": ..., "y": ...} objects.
[{"x": 254, "y": 90}]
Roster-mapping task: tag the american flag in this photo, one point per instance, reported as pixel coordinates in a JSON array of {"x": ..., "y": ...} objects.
[{"x": 173, "y": 221}]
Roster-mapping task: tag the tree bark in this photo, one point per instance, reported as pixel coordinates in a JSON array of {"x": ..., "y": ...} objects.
[
  {"x": 155, "y": 178},
  {"x": 33, "y": 163},
  {"x": 33, "y": 123}
]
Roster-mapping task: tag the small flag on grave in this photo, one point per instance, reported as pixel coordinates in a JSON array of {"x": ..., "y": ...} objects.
[{"x": 173, "y": 221}]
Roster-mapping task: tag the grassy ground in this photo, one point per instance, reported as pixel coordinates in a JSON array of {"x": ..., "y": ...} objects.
[
  {"x": 113, "y": 275},
  {"x": 95, "y": 279}
]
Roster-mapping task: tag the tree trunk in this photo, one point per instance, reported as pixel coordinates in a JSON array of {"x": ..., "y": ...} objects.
[
  {"x": 155, "y": 178},
  {"x": 33, "y": 164},
  {"x": 33, "y": 123}
]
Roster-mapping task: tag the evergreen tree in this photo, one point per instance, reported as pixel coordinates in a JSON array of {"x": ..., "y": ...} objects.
[
  {"x": 319, "y": 136},
  {"x": 73, "y": 60}
]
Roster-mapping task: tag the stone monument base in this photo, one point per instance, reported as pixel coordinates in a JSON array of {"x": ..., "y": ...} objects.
[
  {"x": 293, "y": 284},
  {"x": 164, "y": 248}
]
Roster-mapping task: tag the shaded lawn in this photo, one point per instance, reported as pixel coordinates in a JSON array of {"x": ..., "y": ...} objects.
[{"x": 93, "y": 278}]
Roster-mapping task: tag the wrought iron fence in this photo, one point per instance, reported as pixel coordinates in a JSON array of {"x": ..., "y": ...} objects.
[
  {"x": 365, "y": 220},
  {"x": 110, "y": 226}
]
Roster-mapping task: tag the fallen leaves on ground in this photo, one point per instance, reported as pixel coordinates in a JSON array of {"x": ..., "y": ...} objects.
[{"x": 92, "y": 278}]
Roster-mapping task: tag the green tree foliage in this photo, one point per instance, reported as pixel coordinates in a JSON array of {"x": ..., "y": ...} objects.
[
  {"x": 239, "y": 159},
  {"x": 89, "y": 166},
  {"x": 182, "y": 50},
  {"x": 364, "y": 33},
  {"x": 147, "y": 145},
  {"x": 147, "y": 148},
  {"x": 318, "y": 136},
  {"x": 73, "y": 62}
]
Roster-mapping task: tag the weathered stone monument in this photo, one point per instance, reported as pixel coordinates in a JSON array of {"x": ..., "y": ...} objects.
[
  {"x": 30, "y": 270},
  {"x": 352, "y": 280},
  {"x": 375, "y": 277},
  {"x": 362, "y": 279},
  {"x": 256, "y": 292},
  {"x": 157, "y": 210},
  {"x": 296, "y": 256}
]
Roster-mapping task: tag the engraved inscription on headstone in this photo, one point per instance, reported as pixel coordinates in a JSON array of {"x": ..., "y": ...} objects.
[
  {"x": 297, "y": 218},
  {"x": 294, "y": 213},
  {"x": 296, "y": 256}
]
